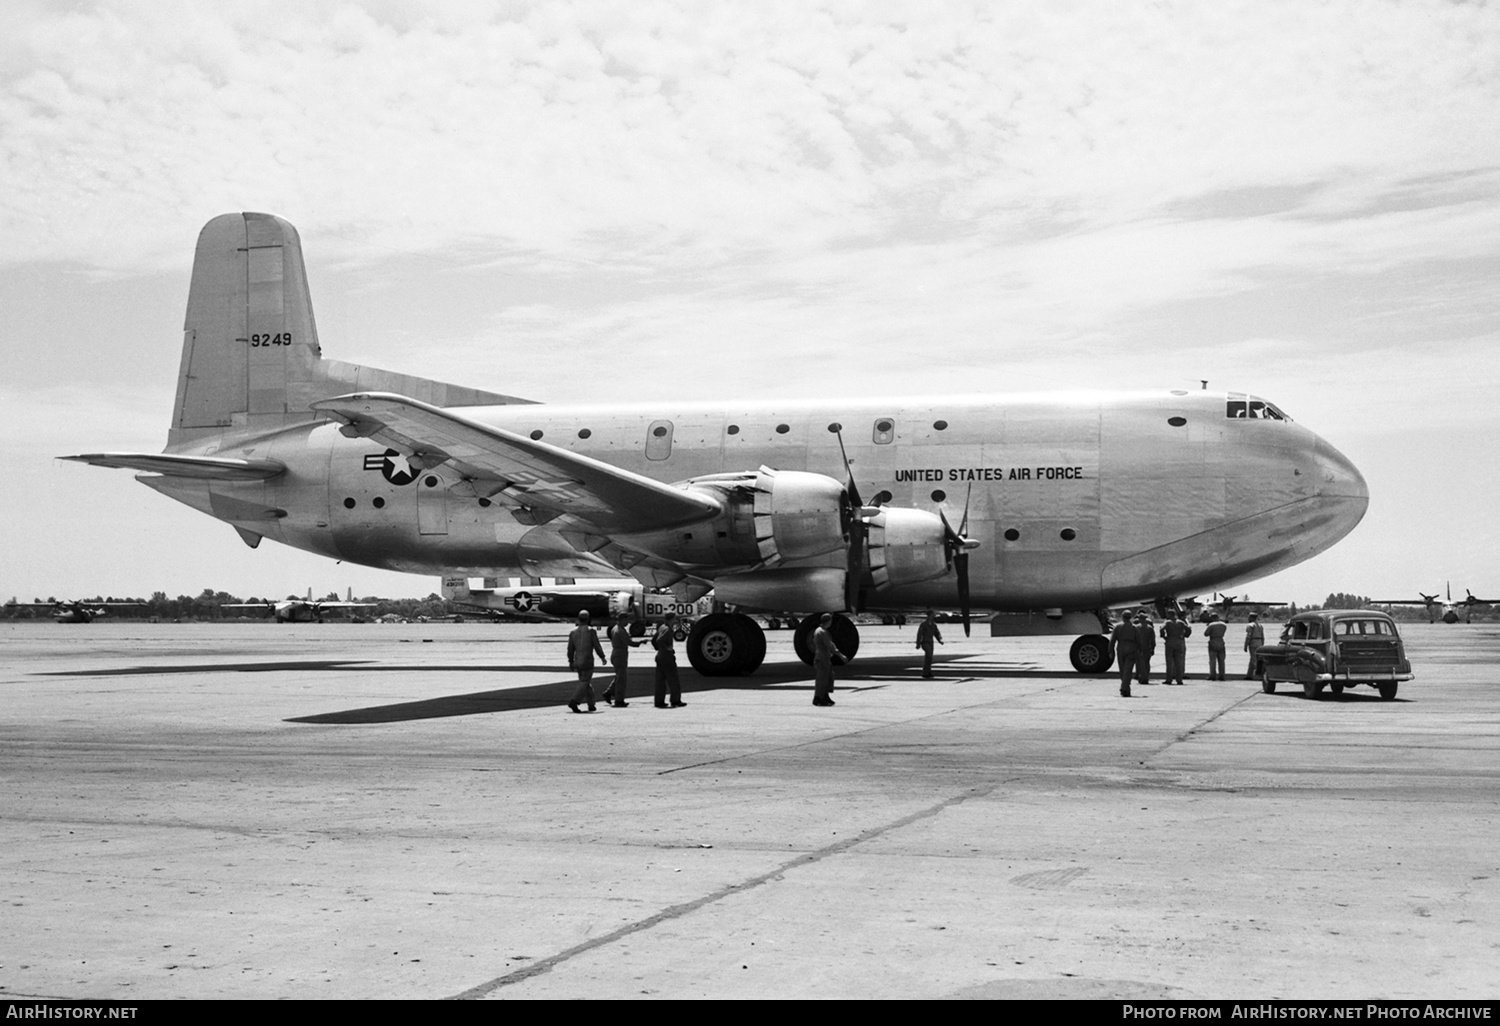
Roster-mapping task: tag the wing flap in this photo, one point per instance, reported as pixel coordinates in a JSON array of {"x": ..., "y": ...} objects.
[
  {"x": 532, "y": 472},
  {"x": 212, "y": 468}
]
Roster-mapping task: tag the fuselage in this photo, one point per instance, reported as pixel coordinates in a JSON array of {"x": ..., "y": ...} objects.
[{"x": 1077, "y": 500}]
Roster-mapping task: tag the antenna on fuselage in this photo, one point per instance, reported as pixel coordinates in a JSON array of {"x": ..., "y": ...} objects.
[{"x": 1205, "y": 383}]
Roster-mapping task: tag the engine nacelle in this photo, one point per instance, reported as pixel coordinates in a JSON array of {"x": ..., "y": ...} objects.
[
  {"x": 769, "y": 517},
  {"x": 906, "y": 546},
  {"x": 621, "y": 603}
]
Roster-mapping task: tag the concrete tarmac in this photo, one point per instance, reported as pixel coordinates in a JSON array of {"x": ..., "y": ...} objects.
[{"x": 248, "y": 810}]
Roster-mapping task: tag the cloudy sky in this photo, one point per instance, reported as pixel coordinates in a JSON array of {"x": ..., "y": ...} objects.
[{"x": 648, "y": 199}]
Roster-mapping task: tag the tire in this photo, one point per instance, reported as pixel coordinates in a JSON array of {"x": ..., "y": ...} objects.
[
  {"x": 1266, "y": 683},
  {"x": 1387, "y": 689},
  {"x": 845, "y": 636},
  {"x": 757, "y": 649},
  {"x": 1337, "y": 687},
  {"x": 1090, "y": 655},
  {"x": 1312, "y": 689},
  {"x": 719, "y": 645}
]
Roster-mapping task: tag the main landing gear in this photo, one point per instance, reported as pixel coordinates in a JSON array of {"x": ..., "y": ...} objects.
[
  {"x": 845, "y": 636},
  {"x": 1091, "y": 655},
  {"x": 726, "y": 645}
]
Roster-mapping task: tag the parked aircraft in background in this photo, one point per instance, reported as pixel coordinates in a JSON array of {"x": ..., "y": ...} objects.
[
  {"x": 1065, "y": 504},
  {"x": 75, "y": 611},
  {"x": 1223, "y": 604},
  {"x": 1446, "y": 609},
  {"x": 308, "y": 610},
  {"x": 563, "y": 600}
]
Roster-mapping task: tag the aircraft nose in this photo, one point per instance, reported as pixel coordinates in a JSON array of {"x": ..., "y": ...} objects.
[{"x": 1340, "y": 479}]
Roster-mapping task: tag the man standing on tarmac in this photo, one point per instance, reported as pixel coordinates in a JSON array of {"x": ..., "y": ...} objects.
[
  {"x": 1255, "y": 637},
  {"x": 666, "y": 663},
  {"x": 927, "y": 632},
  {"x": 1215, "y": 632},
  {"x": 1175, "y": 633},
  {"x": 583, "y": 645},
  {"x": 1145, "y": 646},
  {"x": 825, "y": 654},
  {"x": 1123, "y": 641},
  {"x": 620, "y": 644}
]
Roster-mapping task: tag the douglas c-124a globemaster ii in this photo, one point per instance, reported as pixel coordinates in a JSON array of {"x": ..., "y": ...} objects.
[{"x": 1061, "y": 504}]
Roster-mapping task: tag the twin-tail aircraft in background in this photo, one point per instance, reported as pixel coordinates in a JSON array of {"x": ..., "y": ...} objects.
[
  {"x": 293, "y": 610},
  {"x": 1061, "y": 504},
  {"x": 1445, "y": 609},
  {"x": 74, "y": 611}
]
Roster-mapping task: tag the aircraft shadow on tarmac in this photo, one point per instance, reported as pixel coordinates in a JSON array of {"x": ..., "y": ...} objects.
[{"x": 866, "y": 674}]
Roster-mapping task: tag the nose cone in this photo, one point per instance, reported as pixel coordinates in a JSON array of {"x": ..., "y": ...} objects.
[{"x": 1340, "y": 479}]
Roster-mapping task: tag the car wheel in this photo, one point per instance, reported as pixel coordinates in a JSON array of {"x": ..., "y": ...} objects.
[
  {"x": 1336, "y": 687},
  {"x": 1387, "y": 690},
  {"x": 1311, "y": 689},
  {"x": 1266, "y": 683}
]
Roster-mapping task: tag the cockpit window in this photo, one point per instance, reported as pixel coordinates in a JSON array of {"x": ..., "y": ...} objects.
[{"x": 1248, "y": 407}]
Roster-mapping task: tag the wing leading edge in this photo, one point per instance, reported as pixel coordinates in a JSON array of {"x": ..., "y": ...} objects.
[{"x": 494, "y": 460}]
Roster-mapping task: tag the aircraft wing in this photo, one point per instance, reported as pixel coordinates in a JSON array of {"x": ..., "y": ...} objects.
[
  {"x": 532, "y": 472},
  {"x": 214, "y": 468}
]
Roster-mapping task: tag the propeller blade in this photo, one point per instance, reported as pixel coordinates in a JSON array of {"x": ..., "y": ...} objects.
[
  {"x": 961, "y": 567},
  {"x": 956, "y": 549}
]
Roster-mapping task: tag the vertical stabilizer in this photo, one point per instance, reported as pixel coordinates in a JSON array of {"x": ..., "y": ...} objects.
[{"x": 249, "y": 329}]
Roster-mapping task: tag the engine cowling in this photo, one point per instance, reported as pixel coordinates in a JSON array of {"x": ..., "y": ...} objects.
[
  {"x": 769, "y": 517},
  {"x": 621, "y": 603},
  {"x": 906, "y": 546}
]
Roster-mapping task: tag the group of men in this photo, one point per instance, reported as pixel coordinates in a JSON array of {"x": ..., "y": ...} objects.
[
  {"x": 583, "y": 645},
  {"x": 1133, "y": 643}
]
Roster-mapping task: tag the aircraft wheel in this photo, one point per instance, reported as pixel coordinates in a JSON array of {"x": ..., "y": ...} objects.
[
  {"x": 773, "y": 624},
  {"x": 719, "y": 645},
  {"x": 1387, "y": 690},
  {"x": 845, "y": 636},
  {"x": 756, "y": 651},
  {"x": 1266, "y": 683},
  {"x": 1090, "y": 654},
  {"x": 638, "y": 629}
]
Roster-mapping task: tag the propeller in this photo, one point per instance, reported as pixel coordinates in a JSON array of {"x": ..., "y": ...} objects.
[
  {"x": 855, "y": 528},
  {"x": 956, "y": 546}
]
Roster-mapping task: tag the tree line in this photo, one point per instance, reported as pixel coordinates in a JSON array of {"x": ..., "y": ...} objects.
[{"x": 209, "y": 605}]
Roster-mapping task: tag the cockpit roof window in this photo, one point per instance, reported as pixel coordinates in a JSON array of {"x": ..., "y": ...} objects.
[{"x": 1249, "y": 407}]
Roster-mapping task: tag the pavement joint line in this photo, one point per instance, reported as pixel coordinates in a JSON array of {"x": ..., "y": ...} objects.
[
  {"x": 671, "y": 912},
  {"x": 1196, "y": 727}
]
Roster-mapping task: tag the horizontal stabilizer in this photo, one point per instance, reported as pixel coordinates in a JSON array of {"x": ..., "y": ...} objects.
[{"x": 212, "y": 468}]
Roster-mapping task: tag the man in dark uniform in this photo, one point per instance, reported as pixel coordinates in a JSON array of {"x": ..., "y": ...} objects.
[
  {"x": 1175, "y": 633},
  {"x": 1255, "y": 637},
  {"x": 1145, "y": 646},
  {"x": 666, "y": 663},
  {"x": 620, "y": 644},
  {"x": 1215, "y": 632},
  {"x": 825, "y": 654},
  {"x": 927, "y": 633},
  {"x": 1122, "y": 641},
  {"x": 583, "y": 644}
]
